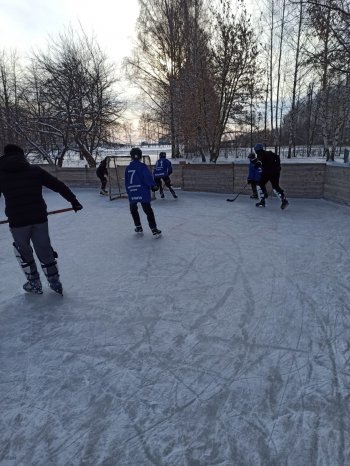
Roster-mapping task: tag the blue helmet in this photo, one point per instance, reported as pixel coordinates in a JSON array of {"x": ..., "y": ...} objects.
[
  {"x": 136, "y": 153},
  {"x": 258, "y": 147},
  {"x": 162, "y": 155}
]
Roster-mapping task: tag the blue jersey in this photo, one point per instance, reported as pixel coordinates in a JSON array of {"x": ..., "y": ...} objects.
[
  {"x": 254, "y": 173},
  {"x": 162, "y": 168},
  {"x": 138, "y": 181}
]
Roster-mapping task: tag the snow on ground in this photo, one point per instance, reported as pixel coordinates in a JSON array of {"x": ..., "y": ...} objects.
[
  {"x": 227, "y": 156},
  {"x": 225, "y": 342}
]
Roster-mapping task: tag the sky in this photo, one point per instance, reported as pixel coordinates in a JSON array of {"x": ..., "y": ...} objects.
[
  {"x": 224, "y": 342},
  {"x": 26, "y": 25}
]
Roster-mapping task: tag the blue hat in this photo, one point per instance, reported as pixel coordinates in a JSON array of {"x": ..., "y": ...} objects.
[{"x": 258, "y": 147}]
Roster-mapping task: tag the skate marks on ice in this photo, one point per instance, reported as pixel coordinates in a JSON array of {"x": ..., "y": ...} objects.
[
  {"x": 33, "y": 374},
  {"x": 212, "y": 353}
]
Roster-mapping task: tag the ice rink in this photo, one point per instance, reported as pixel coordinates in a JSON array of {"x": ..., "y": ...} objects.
[{"x": 225, "y": 342}]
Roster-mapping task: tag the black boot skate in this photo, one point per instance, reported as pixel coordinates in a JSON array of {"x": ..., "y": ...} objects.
[
  {"x": 33, "y": 286},
  {"x": 284, "y": 203},
  {"x": 261, "y": 203},
  {"x": 56, "y": 286},
  {"x": 139, "y": 230},
  {"x": 156, "y": 233},
  {"x": 53, "y": 277}
]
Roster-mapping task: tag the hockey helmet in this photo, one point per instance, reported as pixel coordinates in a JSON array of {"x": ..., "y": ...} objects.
[
  {"x": 136, "y": 153},
  {"x": 258, "y": 147}
]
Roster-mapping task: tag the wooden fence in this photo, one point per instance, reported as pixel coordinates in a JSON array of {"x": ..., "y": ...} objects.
[{"x": 302, "y": 180}]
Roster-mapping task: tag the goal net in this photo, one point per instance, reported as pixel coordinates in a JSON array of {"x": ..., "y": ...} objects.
[{"x": 116, "y": 165}]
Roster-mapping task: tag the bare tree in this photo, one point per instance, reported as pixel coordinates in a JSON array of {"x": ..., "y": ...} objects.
[
  {"x": 11, "y": 96},
  {"x": 158, "y": 59},
  {"x": 233, "y": 64},
  {"x": 74, "y": 103},
  {"x": 291, "y": 142}
]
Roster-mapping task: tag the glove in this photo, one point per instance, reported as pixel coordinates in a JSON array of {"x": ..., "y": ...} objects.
[
  {"x": 76, "y": 206},
  {"x": 155, "y": 188}
]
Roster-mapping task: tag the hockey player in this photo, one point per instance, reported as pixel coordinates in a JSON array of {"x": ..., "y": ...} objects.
[
  {"x": 162, "y": 171},
  {"x": 271, "y": 169},
  {"x": 254, "y": 174},
  {"x": 102, "y": 173},
  {"x": 21, "y": 184},
  {"x": 138, "y": 184}
]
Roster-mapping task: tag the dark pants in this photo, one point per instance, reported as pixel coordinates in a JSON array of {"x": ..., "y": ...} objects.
[
  {"x": 253, "y": 185},
  {"x": 104, "y": 180},
  {"x": 38, "y": 234},
  {"x": 167, "y": 183},
  {"x": 146, "y": 206},
  {"x": 274, "y": 178}
]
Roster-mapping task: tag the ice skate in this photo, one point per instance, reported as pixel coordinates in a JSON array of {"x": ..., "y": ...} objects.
[
  {"x": 103, "y": 192},
  {"x": 139, "y": 230},
  {"x": 162, "y": 195},
  {"x": 56, "y": 286},
  {"x": 53, "y": 278},
  {"x": 156, "y": 233},
  {"x": 284, "y": 203},
  {"x": 254, "y": 196},
  {"x": 261, "y": 203},
  {"x": 175, "y": 196},
  {"x": 33, "y": 286}
]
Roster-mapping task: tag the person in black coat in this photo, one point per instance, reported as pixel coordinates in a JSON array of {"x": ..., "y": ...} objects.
[
  {"x": 21, "y": 184},
  {"x": 102, "y": 173},
  {"x": 271, "y": 170}
]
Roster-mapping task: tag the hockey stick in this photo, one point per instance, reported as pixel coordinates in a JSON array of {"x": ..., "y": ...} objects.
[
  {"x": 240, "y": 192},
  {"x": 52, "y": 212}
]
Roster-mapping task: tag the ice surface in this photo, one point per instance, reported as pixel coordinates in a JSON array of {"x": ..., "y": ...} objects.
[{"x": 225, "y": 342}]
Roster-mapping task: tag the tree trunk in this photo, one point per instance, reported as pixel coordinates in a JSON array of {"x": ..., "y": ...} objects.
[
  {"x": 279, "y": 75},
  {"x": 291, "y": 142},
  {"x": 271, "y": 65},
  {"x": 85, "y": 153}
]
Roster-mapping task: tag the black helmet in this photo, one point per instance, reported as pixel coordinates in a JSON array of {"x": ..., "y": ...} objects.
[
  {"x": 136, "y": 153},
  {"x": 162, "y": 155}
]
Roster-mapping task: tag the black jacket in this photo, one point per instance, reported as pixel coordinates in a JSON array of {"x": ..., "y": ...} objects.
[
  {"x": 270, "y": 161},
  {"x": 102, "y": 169},
  {"x": 21, "y": 185}
]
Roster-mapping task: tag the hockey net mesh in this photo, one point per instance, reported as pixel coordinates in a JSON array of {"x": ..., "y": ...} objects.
[{"x": 116, "y": 165}]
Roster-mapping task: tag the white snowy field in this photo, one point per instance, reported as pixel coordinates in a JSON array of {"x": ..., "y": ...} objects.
[{"x": 225, "y": 342}]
